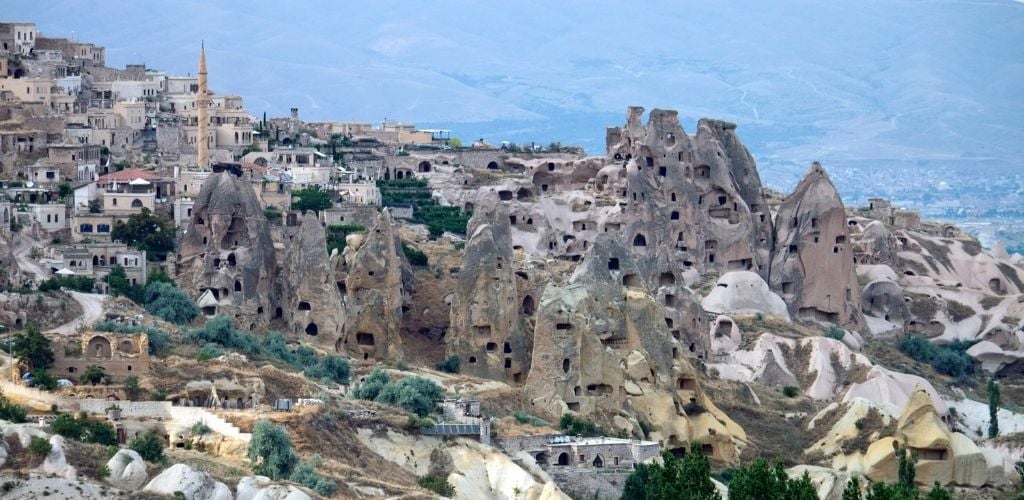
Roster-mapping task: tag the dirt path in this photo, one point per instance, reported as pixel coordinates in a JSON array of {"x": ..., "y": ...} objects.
[{"x": 92, "y": 311}]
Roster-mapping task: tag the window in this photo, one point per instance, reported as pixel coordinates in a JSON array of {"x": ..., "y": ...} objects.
[{"x": 136, "y": 203}]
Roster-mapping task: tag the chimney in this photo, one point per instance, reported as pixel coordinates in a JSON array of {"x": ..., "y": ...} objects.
[{"x": 295, "y": 113}]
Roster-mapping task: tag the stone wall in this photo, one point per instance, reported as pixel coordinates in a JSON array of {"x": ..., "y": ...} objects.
[{"x": 588, "y": 483}]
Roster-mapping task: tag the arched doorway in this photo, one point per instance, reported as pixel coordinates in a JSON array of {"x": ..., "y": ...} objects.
[
  {"x": 563, "y": 458},
  {"x": 598, "y": 461}
]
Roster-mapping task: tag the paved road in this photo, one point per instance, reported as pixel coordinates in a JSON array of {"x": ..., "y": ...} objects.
[{"x": 92, "y": 303}]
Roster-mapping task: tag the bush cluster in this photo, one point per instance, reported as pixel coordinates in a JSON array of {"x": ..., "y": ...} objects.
[
  {"x": 82, "y": 284},
  {"x": 149, "y": 446},
  {"x": 577, "y": 426},
  {"x": 83, "y": 429},
  {"x": 11, "y": 412},
  {"x": 415, "y": 394},
  {"x": 416, "y": 257},
  {"x": 950, "y": 360},
  {"x": 449, "y": 365},
  {"x": 219, "y": 333},
  {"x": 438, "y": 485}
]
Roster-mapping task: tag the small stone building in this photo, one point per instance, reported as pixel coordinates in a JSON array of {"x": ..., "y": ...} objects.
[
  {"x": 595, "y": 452},
  {"x": 119, "y": 354}
]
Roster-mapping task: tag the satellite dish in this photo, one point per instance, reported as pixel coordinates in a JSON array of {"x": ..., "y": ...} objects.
[{"x": 30, "y": 184}]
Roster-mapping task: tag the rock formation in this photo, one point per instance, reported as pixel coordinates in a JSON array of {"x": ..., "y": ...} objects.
[
  {"x": 227, "y": 251},
  {"x": 192, "y": 483},
  {"x": 812, "y": 266},
  {"x": 487, "y": 330},
  {"x": 744, "y": 292},
  {"x": 310, "y": 296},
  {"x": 600, "y": 347},
  {"x": 369, "y": 274},
  {"x": 127, "y": 470}
]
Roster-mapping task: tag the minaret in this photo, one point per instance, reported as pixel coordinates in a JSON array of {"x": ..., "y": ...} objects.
[{"x": 202, "y": 104}]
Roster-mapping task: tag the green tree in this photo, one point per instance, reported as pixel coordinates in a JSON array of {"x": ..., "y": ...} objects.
[
  {"x": 33, "y": 348},
  {"x": 688, "y": 478},
  {"x": 99, "y": 432},
  {"x": 149, "y": 447},
  {"x": 169, "y": 303},
  {"x": 760, "y": 480},
  {"x": 95, "y": 206},
  {"x": 64, "y": 190},
  {"x": 312, "y": 198},
  {"x": 270, "y": 451},
  {"x": 852, "y": 490},
  {"x": 93, "y": 374},
  {"x": 994, "y": 401},
  {"x": 455, "y": 142},
  {"x": 801, "y": 489},
  {"x": 68, "y": 426},
  {"x": 906, "y": 472},
  {"x": 330, "y": 367},
  {"x": 43, "y": 379},
  {"x": 146, "y": 231}
]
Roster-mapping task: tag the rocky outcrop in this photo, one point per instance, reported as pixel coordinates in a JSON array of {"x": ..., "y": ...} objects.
[
  {"x": 600, "y": 347},
  {"x": 487, "y": 329},
  {"x": 127, "y": 470},
  {"x": 812, "y": 267},
  {"x": 310, "y": 296},
  {"x": 56, "y": 463},
  {"x": 227, "y": 251},
  {"x": 262, "y": 488},
  {"x": 698, "y": 198},
  {"x": 369, "y": 274},
  {"x": 194, "y": 484},
  {"x": 942, "y": 456},
  {"x": 744, "y": 292}
]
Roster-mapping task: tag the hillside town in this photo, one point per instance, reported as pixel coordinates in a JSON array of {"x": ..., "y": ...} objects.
[{"x": 200, "y": 300}]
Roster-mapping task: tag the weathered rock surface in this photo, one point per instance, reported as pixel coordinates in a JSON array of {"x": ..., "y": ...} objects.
[
  {"x": 600, "y": 347},
  {"x": 127, "y": 470},
  {"x": 262, "y": 488},
  {"x": 370, "y": 274},
  {"x": 194, "y": 484},
  {"x": 310, "y": 295},
  {"x": 56, "y": 462},
  {"x": 812, "y": 266},
  {"x": 744, "y": 292},
  {"x": 227, "y": 250},
  {"x": 488, "y": 331}
]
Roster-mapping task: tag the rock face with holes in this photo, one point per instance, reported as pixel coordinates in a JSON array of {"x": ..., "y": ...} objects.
[
  {"x": 369, "y": 274},
  {"x": 487, "y": 330},
  {"x": 310, "y": 297},
  {"x": 698, "y": 196},
  {"x": 600, "y": 346},
  {"x": 228, "y": 252},
  {"x": 812, "y": 264},
  {"x": 744, "y": 292}
]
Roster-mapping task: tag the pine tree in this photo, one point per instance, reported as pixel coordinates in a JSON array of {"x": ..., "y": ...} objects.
[
  {"x": 994, "y": 401},
  {"x": 905, "y": 481}
]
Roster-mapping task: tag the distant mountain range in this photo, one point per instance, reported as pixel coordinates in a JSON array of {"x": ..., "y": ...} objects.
[{"x": 883, "y": 82}]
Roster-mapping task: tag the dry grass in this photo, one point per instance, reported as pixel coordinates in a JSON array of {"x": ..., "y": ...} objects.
[
  {"x": 774, "y": 324},
  {"x": 991, "y": 301},
  {"x": 958, "y": 311}
]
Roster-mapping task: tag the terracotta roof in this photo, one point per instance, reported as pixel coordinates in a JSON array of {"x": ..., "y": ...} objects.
[{"x": 128, "y": 175}]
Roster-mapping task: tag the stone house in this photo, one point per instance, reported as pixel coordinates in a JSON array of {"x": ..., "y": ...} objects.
[{"x": 120, "y": 355}]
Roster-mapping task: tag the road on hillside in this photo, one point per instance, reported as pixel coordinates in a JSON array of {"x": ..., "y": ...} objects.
[{"x": 92, "y": 303}]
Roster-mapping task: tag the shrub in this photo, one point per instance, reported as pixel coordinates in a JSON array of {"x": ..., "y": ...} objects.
[
  {"x": 415, "y": 394},
  {"x": 791, "y": 391},
  {"x": 371, "y": 387},
  {"x": 93, "y": 374},
  {"x": 169, "y": 303},
  {"x": 834, "y": 332},
  {"x": 199, "y": 428},
  {"x": 39, "y": 447},
  {"x": 330, "y": 367},
  {"x": 68, "y": 426},
  {"x": 149, "y": 447},
  {"x": 210, "y": 351},
  {"x": 82, "y": 284},
  {"x": 526, "y": 418},
  {"x": 950, "y": 360},
  {"x": 84, "y": 430},
  {"x": 336, "y": 234},
  {"x": 416, "y": 257},
  {"x": 438, "y": 485},
  {"x": 415, "y": 422},
  {"x": 104, "y": 471},
  {"x": 270, "y": 451},
  {"x": 576, "y": 426},
  {"x": 305, "y": 475},
  {"x": 449, "y": 365},
  {"x": 99, "y": 432},
  {"x": 131, "y": 386}
]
